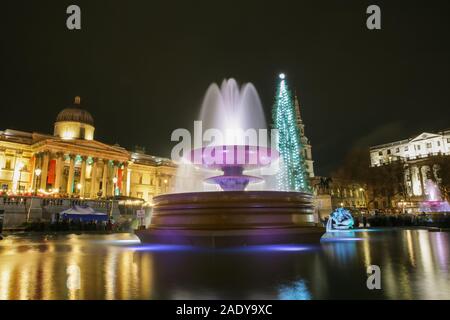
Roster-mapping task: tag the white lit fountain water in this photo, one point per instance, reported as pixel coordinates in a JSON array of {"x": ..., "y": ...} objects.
[
  {"x": 435, "y": 202},
  {"x": 218, "y": 206},
  {"x": 231, "y": 111}
]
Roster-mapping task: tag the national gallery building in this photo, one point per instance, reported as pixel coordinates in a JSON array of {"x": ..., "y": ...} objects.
[{"x": 70, "y": 163}]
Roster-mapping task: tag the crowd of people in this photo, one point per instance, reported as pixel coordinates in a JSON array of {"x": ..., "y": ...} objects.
[
  {"x": 423, "y": 219},
  {"x": 78, "y": 225}
]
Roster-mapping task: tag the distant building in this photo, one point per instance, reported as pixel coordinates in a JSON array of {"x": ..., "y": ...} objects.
[
  {"x": 418, "y": 154},
  {"x": 71, "y": 163},
  {"x": 418, "y": 147},
  {"x": 343, "y": 193},
  {"x": 307, "y": 152}
]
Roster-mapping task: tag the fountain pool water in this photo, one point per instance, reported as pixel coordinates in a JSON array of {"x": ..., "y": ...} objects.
[{"x": 234, "y": 216}]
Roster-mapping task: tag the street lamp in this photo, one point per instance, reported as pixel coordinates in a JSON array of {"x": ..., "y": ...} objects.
[
  {"x": 37, "y": 173},
  {"x": 20, "y": 167}
]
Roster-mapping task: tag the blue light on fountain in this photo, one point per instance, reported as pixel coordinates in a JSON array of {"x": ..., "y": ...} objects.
[{"x": 340, "y": 219}]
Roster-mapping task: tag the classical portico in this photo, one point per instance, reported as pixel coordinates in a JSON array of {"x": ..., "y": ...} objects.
[
  {"x": 72, "y": 163},
  {"x": 418, "y": 174},
  {"x": 88, "y": 170}
]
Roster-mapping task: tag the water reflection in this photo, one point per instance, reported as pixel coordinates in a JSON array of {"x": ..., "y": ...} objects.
[
  {"x": 414, "y": 265},
  {"x": 296, "y": 291}
]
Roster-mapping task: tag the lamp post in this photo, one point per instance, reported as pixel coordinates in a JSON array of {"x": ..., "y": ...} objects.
[
  {"x": 366, "y": 197},
  {"x": 21, "y": 166},
  {"x": 37, "y": 173}
]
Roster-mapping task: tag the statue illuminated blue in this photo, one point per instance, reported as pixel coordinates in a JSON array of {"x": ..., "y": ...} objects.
[{"x": 340, "y": 219}]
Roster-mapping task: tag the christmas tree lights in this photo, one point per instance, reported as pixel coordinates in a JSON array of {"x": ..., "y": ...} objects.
[{"x": 292, "y": 175}]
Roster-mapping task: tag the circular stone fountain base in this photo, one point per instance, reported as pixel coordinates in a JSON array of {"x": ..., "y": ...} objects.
[{"x": 232, "y": 218}]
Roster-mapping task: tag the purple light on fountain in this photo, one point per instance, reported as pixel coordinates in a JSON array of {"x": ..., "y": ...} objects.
[{"x": 233, "y": 160}]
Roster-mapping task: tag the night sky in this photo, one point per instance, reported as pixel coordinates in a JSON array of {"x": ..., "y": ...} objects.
[{"x": 142, "y": 67}]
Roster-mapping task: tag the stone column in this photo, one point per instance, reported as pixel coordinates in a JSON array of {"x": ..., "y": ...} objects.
[
  {"x": 38, "y": 165},
  {"x": 124, "y": 188},
  {"x": 3, "y": 156},
  {"x": 93, "y": 191},
  {"x": 83, "y": 176},
  {"x": 58, "y": 169},
  {"x": 421, "y": 181},
  {"x": 71, "y": 174},
  {"x": 104, "y": 177},
  {"x": 17, "y": 178},
  {"x": 128, "y": 182},
  {"x": 411, "y": 183},
  {"x": 115, "y": 175},
  {"x": 32, "y": 168},
  {"x": 44, "y": 169}
]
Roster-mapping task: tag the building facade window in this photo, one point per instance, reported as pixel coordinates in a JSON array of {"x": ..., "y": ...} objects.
[
  {"x": 82, "y": 132},
  {"x": 428, "y": 145},
  {"x": 406, "y": 148},
  {"x": 380, "y": 153}
]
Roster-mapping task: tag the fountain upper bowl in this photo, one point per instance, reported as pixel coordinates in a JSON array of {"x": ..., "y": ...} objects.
[{"x": 226, "y": 156}]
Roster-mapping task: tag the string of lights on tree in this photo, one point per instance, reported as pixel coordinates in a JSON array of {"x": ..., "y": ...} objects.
[{"x": 292, "y": 175}]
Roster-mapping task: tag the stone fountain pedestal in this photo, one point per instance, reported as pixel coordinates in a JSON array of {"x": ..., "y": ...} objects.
[{"x": 232, "y": 218}]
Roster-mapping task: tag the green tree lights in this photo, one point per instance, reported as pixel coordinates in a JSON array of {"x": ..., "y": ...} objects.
[{"x": 292, "y": 175}]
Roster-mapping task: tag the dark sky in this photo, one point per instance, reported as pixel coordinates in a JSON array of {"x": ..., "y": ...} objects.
[{"x": 142, "y": 67}]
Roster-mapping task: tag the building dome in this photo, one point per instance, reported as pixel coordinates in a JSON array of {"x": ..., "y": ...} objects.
[
  {"x": 75, "y": 114},
  {"x": 74, "y": 123}
]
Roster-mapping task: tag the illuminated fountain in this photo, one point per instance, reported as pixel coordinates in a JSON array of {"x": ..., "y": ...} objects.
[
  {"x": 435, "y": 202},
  {"x": 234, "y": 215}
]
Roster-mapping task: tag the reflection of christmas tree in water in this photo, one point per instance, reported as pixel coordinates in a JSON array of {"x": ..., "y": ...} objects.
[{"x": 292, "y": 175}]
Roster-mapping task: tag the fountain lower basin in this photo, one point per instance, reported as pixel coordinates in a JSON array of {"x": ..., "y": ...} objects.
[{"x": 232, "y": 218}]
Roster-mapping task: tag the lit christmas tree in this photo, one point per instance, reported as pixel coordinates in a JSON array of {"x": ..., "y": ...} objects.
[{"x": 292, "y": 175}]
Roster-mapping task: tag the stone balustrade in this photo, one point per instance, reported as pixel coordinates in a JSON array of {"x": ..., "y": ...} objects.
[{"x": 20, "y": 209}]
